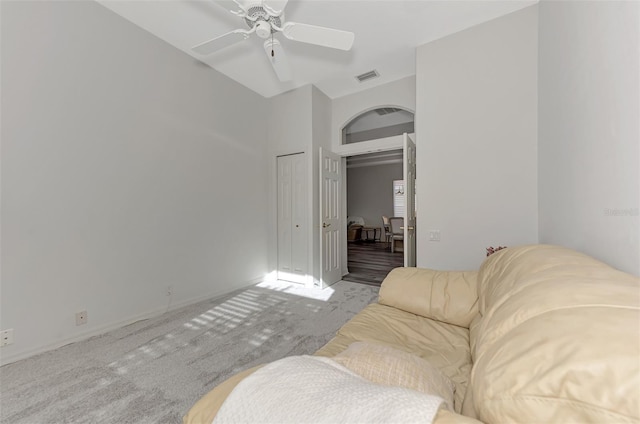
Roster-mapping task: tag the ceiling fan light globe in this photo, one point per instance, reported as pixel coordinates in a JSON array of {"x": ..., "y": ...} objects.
[
  {"x": 278, "y": 59},
  {"x": 263, "y": 29}
]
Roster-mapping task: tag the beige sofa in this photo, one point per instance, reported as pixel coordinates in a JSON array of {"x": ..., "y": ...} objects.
[{"x": 538, "y": 334}]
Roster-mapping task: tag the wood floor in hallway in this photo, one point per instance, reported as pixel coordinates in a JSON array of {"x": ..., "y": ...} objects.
[{"x": 369, "y": 263}]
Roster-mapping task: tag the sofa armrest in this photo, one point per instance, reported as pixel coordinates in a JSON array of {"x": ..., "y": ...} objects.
[{"x": 447, "y": 296}]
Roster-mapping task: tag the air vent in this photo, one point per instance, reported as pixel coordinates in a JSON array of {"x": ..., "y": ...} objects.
[
  {"x": 367, "y": 76},
  {"x": 386, "y": 110}
]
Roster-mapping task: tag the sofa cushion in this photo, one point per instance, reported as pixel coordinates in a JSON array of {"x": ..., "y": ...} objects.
[
  {"x": 204, "y": 411},
  {"x": 447, "y": 296},
  {"x": 558, "y": 339},
  {"x": 393, "y": 367},
  {"x": 445, "y": 346}
]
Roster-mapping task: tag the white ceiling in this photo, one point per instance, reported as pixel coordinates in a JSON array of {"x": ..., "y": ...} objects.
[{"x": 386, "y": 36}]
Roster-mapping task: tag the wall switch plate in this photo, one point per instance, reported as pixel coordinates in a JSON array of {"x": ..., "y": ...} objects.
[
  {"x": 81, "y": 318},
  {"x": 6, "y": 337},
  {"x": 434, "y": 235}
]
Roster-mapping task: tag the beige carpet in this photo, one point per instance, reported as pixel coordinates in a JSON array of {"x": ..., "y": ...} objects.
[{"x": 154, "y": 370}]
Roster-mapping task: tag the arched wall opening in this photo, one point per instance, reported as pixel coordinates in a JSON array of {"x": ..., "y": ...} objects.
[{"x": 378, "y": 123}]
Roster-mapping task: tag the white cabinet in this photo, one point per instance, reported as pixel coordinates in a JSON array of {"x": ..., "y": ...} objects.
[{"x": 292, "y": 218}]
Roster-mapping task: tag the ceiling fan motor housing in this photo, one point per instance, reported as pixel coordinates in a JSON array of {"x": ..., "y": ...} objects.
[{"x": 258, "y": 17}]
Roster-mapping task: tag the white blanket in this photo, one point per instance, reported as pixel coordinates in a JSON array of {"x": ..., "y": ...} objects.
[{"x": 309, "y": 389}]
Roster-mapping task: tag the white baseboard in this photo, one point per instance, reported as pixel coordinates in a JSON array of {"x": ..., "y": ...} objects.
[{"x": 7, "y": 359}]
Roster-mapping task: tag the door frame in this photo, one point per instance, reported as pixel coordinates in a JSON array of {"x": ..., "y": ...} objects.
[
  {"x": 272, "y": 212},
  {"x": 409, "y": 177},
  {"x": 356, "y": 149}
]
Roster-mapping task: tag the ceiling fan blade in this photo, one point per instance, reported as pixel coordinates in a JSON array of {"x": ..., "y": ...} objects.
[
  {"x": 221, "y": 42},
  {"x": 278, "y": 59},
  {"x": 230, "y": 5},
  {"x": 274, "y": 7},
  {"x": 327, "y": 37}
]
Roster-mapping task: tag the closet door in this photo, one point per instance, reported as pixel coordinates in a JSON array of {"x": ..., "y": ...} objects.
[
  {"x": 292, "y": 218},
  {"x": 285, "y": 178}
]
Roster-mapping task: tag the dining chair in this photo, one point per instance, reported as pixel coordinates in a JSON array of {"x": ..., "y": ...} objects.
[
  {"x": 386, "y": 228},
  {"x": 397, "y": 230}
]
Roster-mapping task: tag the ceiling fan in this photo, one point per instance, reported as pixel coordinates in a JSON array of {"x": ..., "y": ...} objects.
[{"x": 266, "y": 18}]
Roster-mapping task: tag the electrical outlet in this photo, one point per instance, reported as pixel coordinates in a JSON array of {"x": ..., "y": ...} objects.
[
  {"x": 434, "y": 235},
  {"x": 6, "y": 337},
  {"x": 81, "y": 318},
  {"x": 169, "y": 290}
]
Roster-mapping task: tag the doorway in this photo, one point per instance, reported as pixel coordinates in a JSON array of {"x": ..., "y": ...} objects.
[{"x": 370, "y": 195}]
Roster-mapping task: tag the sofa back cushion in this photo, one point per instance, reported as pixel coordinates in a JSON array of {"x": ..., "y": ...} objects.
[
  {"x": 389, "y": 366},
  {"x": 557, "y": 339},
  {"x": 446, "y": 296}
]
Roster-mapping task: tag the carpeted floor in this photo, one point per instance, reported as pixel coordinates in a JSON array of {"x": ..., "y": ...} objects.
[{"x": 154, "y": 370}]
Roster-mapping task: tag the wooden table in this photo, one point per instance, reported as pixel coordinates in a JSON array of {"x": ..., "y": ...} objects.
[{"x": 366, "y": 233}]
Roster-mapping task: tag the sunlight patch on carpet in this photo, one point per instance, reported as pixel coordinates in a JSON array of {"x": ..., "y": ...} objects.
[{"x": 298, "y": 290}]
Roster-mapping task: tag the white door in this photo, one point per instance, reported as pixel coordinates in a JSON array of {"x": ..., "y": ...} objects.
[
  {"x": 330, "y": 186},
  {"x": 292, "y": 218},
  {"x": 409, "y": 171}
]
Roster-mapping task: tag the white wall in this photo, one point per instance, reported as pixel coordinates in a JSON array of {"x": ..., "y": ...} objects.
[
  {"x": 289, "y": 121},
  {"x": 370, "y": 191},
  {"x": 476, "y": 128},
  {"x": 121, "y": 175},
  {"x": 589, "y": 134}
]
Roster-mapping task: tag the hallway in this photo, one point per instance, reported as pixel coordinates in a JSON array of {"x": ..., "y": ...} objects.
[{"x": 369, "y": 263}]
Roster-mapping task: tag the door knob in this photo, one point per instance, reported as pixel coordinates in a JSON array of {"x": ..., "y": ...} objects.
[{"x": 325, "y": 225}]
